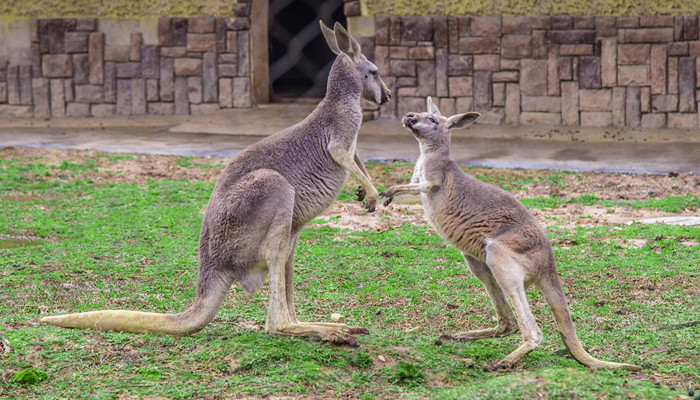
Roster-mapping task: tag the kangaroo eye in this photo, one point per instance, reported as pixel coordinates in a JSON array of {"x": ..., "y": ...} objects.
[
  {"x": 374, "y": 73},
  {"x": 431, "y": 119}
]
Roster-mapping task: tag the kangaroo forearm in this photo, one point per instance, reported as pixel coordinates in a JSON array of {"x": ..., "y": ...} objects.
[
  {"x": 413, "y": 188},
  {"x": 343, "y": 158},
  {"x": 362, "y": 167}
]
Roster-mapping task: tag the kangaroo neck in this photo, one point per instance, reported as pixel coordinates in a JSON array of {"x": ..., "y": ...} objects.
[{"x": 343, "y": 93}]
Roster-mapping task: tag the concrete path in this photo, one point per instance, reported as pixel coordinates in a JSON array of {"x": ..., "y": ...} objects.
[{"x": 227, "y": 132}]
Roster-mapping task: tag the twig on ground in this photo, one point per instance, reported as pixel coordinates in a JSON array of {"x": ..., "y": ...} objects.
[{"x": 679, "y": 326}]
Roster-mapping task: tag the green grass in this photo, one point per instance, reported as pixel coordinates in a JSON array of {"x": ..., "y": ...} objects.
[{"x": 134, "y": 246}]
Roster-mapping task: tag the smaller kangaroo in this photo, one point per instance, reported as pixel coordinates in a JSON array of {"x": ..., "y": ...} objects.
[{"x": 503, "y": 244}]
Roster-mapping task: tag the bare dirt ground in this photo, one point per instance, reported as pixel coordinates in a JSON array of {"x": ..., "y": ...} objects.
[{"x": 523, "y": 183}]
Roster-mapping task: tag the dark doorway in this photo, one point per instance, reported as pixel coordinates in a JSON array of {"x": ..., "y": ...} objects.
[{"x": 299, "y": 56}]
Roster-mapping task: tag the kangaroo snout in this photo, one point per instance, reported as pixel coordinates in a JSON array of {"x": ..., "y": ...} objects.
[
  {"x": 409, "y": 120},
  {"x": 386, "y": 95}
]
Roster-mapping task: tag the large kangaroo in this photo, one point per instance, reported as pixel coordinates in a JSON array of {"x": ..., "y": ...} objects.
[
  {"x": 503, "y": 244},
  {"x": 263, "y": 199}
]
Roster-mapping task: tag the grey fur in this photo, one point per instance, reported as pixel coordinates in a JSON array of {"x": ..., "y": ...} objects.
[
  {"x": 263, "y": 199},
  {"x": 503, "y": 244}
]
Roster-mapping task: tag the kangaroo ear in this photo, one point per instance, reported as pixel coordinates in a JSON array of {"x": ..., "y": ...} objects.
[
  {"x": 462, "y": 120},
  {"x": 432, "y": 108},
  {"x": 329, "y": 35},
  {"x": 346, "y": 43}
]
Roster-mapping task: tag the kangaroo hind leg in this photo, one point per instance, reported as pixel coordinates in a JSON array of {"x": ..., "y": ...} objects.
[
  {"x": 507, "y": 323},
  {"x": 509, "y": 273}
]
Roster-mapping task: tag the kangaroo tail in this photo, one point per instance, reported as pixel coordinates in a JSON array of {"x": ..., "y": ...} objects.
[
  {"x": 554, "y": 295},
  {"x": 206, "y": 304}
]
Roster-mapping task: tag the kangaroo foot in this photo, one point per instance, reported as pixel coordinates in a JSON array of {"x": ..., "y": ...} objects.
[
  {"x": 495, "y": 366},
  {"x": 354, "y": 330},
  {"x": 323, "y": 332},
  {"x": 499, "y": 331}
]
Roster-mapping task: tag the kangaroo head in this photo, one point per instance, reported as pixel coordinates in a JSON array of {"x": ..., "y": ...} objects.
[
  {"x": 363, "y": 70},
  {"x": 433, "y": 128}
]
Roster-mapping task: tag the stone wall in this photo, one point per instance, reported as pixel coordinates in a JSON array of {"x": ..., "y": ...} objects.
[
  {"x": 638, "y": 72},
  {"x": 82, "y": 67}
]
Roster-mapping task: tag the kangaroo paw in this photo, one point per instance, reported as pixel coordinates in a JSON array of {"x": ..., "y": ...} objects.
[
  {"x": 495, "y": 366},
  {"x": 358, "y": 330},
  {"x": 360, "y": 193}
]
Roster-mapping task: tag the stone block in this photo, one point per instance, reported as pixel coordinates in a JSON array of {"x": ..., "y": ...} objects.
[
  {"x": 179, "y": 31},
  {"x": 110, "y": 82},
  {"x": 521, "y": 25},
  {"x": 167, "y": 79},
  {"x": 589, "y": 75},
  {"x": 77, "y": 110},
  {"x": 548, "y": 104},
  {"x": 76, "y": 42},
  {"x": 13, "y": 96},
  {"x": 694, "y": 48},
  {"x": 407, "y": 91},
  {"x": 677, "y": 28},
  {"x": 202, "y": 25},
  {"x": 448, "y": 106},
  {"x": 35, "y": 55},
  {"x": 201, "y": 42},
  {"x": 576, "y": 49},
  {"x": 461, "y": 86},
  {"x": 81, "y": 68},
  {"x": 418, "y": 29},
  {"x": 633, "y": 75},
  {"x": 395, "y": 30},
  {"x": 680, "y": 120},
  {"x": 533, "y": 77},
  {"x": 482, "y": 85},
  {"x": 398, "y": 52},
  {"x": 103, "y": 110},
  {"x": 161, "y": 108},
  {"x": 633, "y": 113},
  {"x": 672, "y": 71},
  {"x": 646, "y": 35},
  {"x": 664, "y": 103},
  {"x": 226, "y": 92},
  {"x": 540, "y": 44},
  {"x": 562, "y": 22},
  {"x": 402, "y": 68},
  {"x": 150, "y": 62},
  {"x": 540, "y": 118},
  {"x": 510, "y": 64},
  {"x": 491, "y": 115},
  {"x": 243, "y": 54},
  {"x": 678, "y": 49},
  {"x": 57, "y": 65},
  {"x": 182, "y": 104},
  {"x": 653, "y": 21},
  {"x": 187, "y": 67},
  {"x": 627, "y": 22},
  {"x": 608, "y": 62},
  {"x": 570, "y": 103},
  {"x": 595, "y": 100},
  {"x": 499, "y": 95},
  {"x": 480, "y": 45},
  {"x": 440, "y": 32},
  {"x": 421, "y": 53},
  {"x": 426, "y": 78},
  {"x": 654, "y": 121},
  {"x": 633, "y": 54},
  {"x": 388, "y": 110},
  {"x": 57, "y": 28},
  {"x": 645, "y": 99},
  {"x": 86, "y": 24},
  {"x": 129, "y": 70},
  {"x": 238, "y": 24},
  {"x": 441, "y": 72},
  {"x": 618, "y": 106},
  {"x": 658, "y": 69},
  {"x": 596, "y": 118},
  {"x": 453, "y": 34},
  {"x": 16, "y": 111},
  {"x": 231, "y": 42},
  {"x": 40, "y": 97},
  {"x": 487, "y": 62},
  {"x": 117, "y": 52},
  {"x": 553, "y": 88},
  {"x": 96, "y": 57},
  {"x": 152, "y": 90},
  {"x": 89, "y": 94},
  {"x": 463, "y": 104},
  {"x": 605, "y": 26},
  {"x": 512, "y": 106},
  {"x": 26, "y": 84},
  {"x": 194, "y": 90},
  {"x": 204, "y": 108},
  {"x": 405, "y": 81},
  {"x": 687, "y": 81},
  {"x": 174, "y": 52},
  {"x": 460, "y": 65},
  {"x": 584, "y": 22},
  {"x": 209, "y": 78},
  {"x": 241, "y": 93},
  {"x": 138, "y": 96},
  {"x": 506, "y": 76},
  {"x": 465, "y": 24},
  {"x": 381, "y": 29},
  {"x": 486, "y": 26},
  {"x": 516, "y": 46},
  {"x": 566, "y": 70},
  {"x": 165, "y": 31},
  {"x": 3, "y": 92},
  {"x": 241, "y": 9},
  {"x": 572, "y": 36},
  {"x": 690, "y": 28},
  {"x": 228, "y": 70}
]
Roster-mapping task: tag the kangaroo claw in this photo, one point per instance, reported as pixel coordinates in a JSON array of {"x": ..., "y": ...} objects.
[{"x": 360, "y": 193}]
